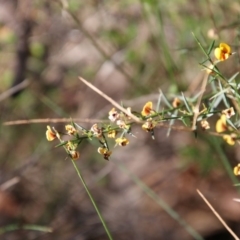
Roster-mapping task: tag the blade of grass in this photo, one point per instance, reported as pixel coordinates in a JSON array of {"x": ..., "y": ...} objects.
[
  {"x": 219, "y": 93},
  {"x": 165, "y": 99},
  {"x": 92, "y": 200},
  {"x": 153, "y": 10},
  {"x": 14, "y": 227},
  {"x": 233, "y": 77},
  {"x": 224, "y": 97},
  {"x": 172, "y": 122},
  {"x": 186, "y": 104},
  {"x": 159, "y": 102},
  {"x": 215, "y": 103},
  {"x": 53, "y": 106},
  {"x": 202, "y": 48},
  {"x": 211, "y": 47}
]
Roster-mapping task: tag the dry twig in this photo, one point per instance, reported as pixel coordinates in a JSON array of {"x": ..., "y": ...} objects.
[
  {"x": 218, "y": 216},
  {"x": 52, "y": 120},
  {"x": 114, "y": 103}
]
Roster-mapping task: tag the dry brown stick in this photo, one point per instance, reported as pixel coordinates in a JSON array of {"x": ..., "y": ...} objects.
[
  {"x": 87, "y": 120},
  {"x": 218, "y": 216},
  {"x": 52, "y": 120},
  {"x": 8, "y": 93},
  {"x": 9, "y": 183},
  {"x": 113, "y": 102}
]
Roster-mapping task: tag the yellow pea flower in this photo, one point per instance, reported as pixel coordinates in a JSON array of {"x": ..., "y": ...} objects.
[
  {"x": 148, "y": 126},
  {"x": 205, "y": 124},
  {"x": 147, "y": 109},
  {"x": 236, "y": 170},
  {"x": 223, "y": 52},
  {"x": 176, "y": 102},
  {"x": 221, "y": 125},
  {"x": 97, "y": 131},
  {"x": 70, "y": 129},
  {"x": 112, "y": 134},
  {"x": 122, "y": 141},
  {"x": 71, "y": 149},
  {"x": 50, "y": 134},
  {"x": 230, "y": 139},
  {"x": 229, "y": 112},
  {"x": 113, "y": 115},
  {"x": 105, "y": 152},
  {"x": 74, "y": 154}
]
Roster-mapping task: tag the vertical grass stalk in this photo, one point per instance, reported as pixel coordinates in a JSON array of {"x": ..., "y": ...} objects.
[{"x": 92, "y": 200}]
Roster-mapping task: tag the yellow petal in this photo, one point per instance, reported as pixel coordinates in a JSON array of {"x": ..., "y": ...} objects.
[
  {"x": 225, "y": 48},
  {"x": 222, "y": 52},
  {"x": 218, "y": 54},
  {"x": 112, "y": 134},
  {"x": 74, "y": 155},
  {"x": 229, "y": 112},
  {"x": 176, "y": 102},
  {"x": 147, "y": 109},
  {"x": 105, "y": 152},
  {"x": 221, "y": 125},
  {"x": 229, "y": 139},
  {"x": 50, "y": 135},
  {"x": 122, "y": 141},
  {"x": 236, "y": 170}
]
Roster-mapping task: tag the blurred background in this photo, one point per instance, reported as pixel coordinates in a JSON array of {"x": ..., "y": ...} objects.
[{"x": 129, "y": 50}]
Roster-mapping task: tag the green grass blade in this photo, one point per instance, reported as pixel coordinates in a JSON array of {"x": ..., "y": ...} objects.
[
  {"x": 92, "y": 200},
  {"x": 200, "y": 45},
  {"x": 53, "y": 106},
  {"x": 172, "y": 122},
  {"x": 186, "y": 103},
  {"x": 233, "y": 77},
  {"x": 165, "y": 99},
  {"x": 210, "y": 48},
  {"x": 223, "y": 95},
  {"x": 159, "y": 102},
  {"x": 14, "y": 227}
]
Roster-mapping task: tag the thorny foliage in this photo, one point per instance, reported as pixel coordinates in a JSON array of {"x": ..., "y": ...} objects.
[{"x": 194, "y": 112}]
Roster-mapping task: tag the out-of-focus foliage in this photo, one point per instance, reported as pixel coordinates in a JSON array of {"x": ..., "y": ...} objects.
[{"x": 128, "y": 49}]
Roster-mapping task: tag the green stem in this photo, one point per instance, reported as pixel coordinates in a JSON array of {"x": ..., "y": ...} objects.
[{"x": 92, "y": 200}]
